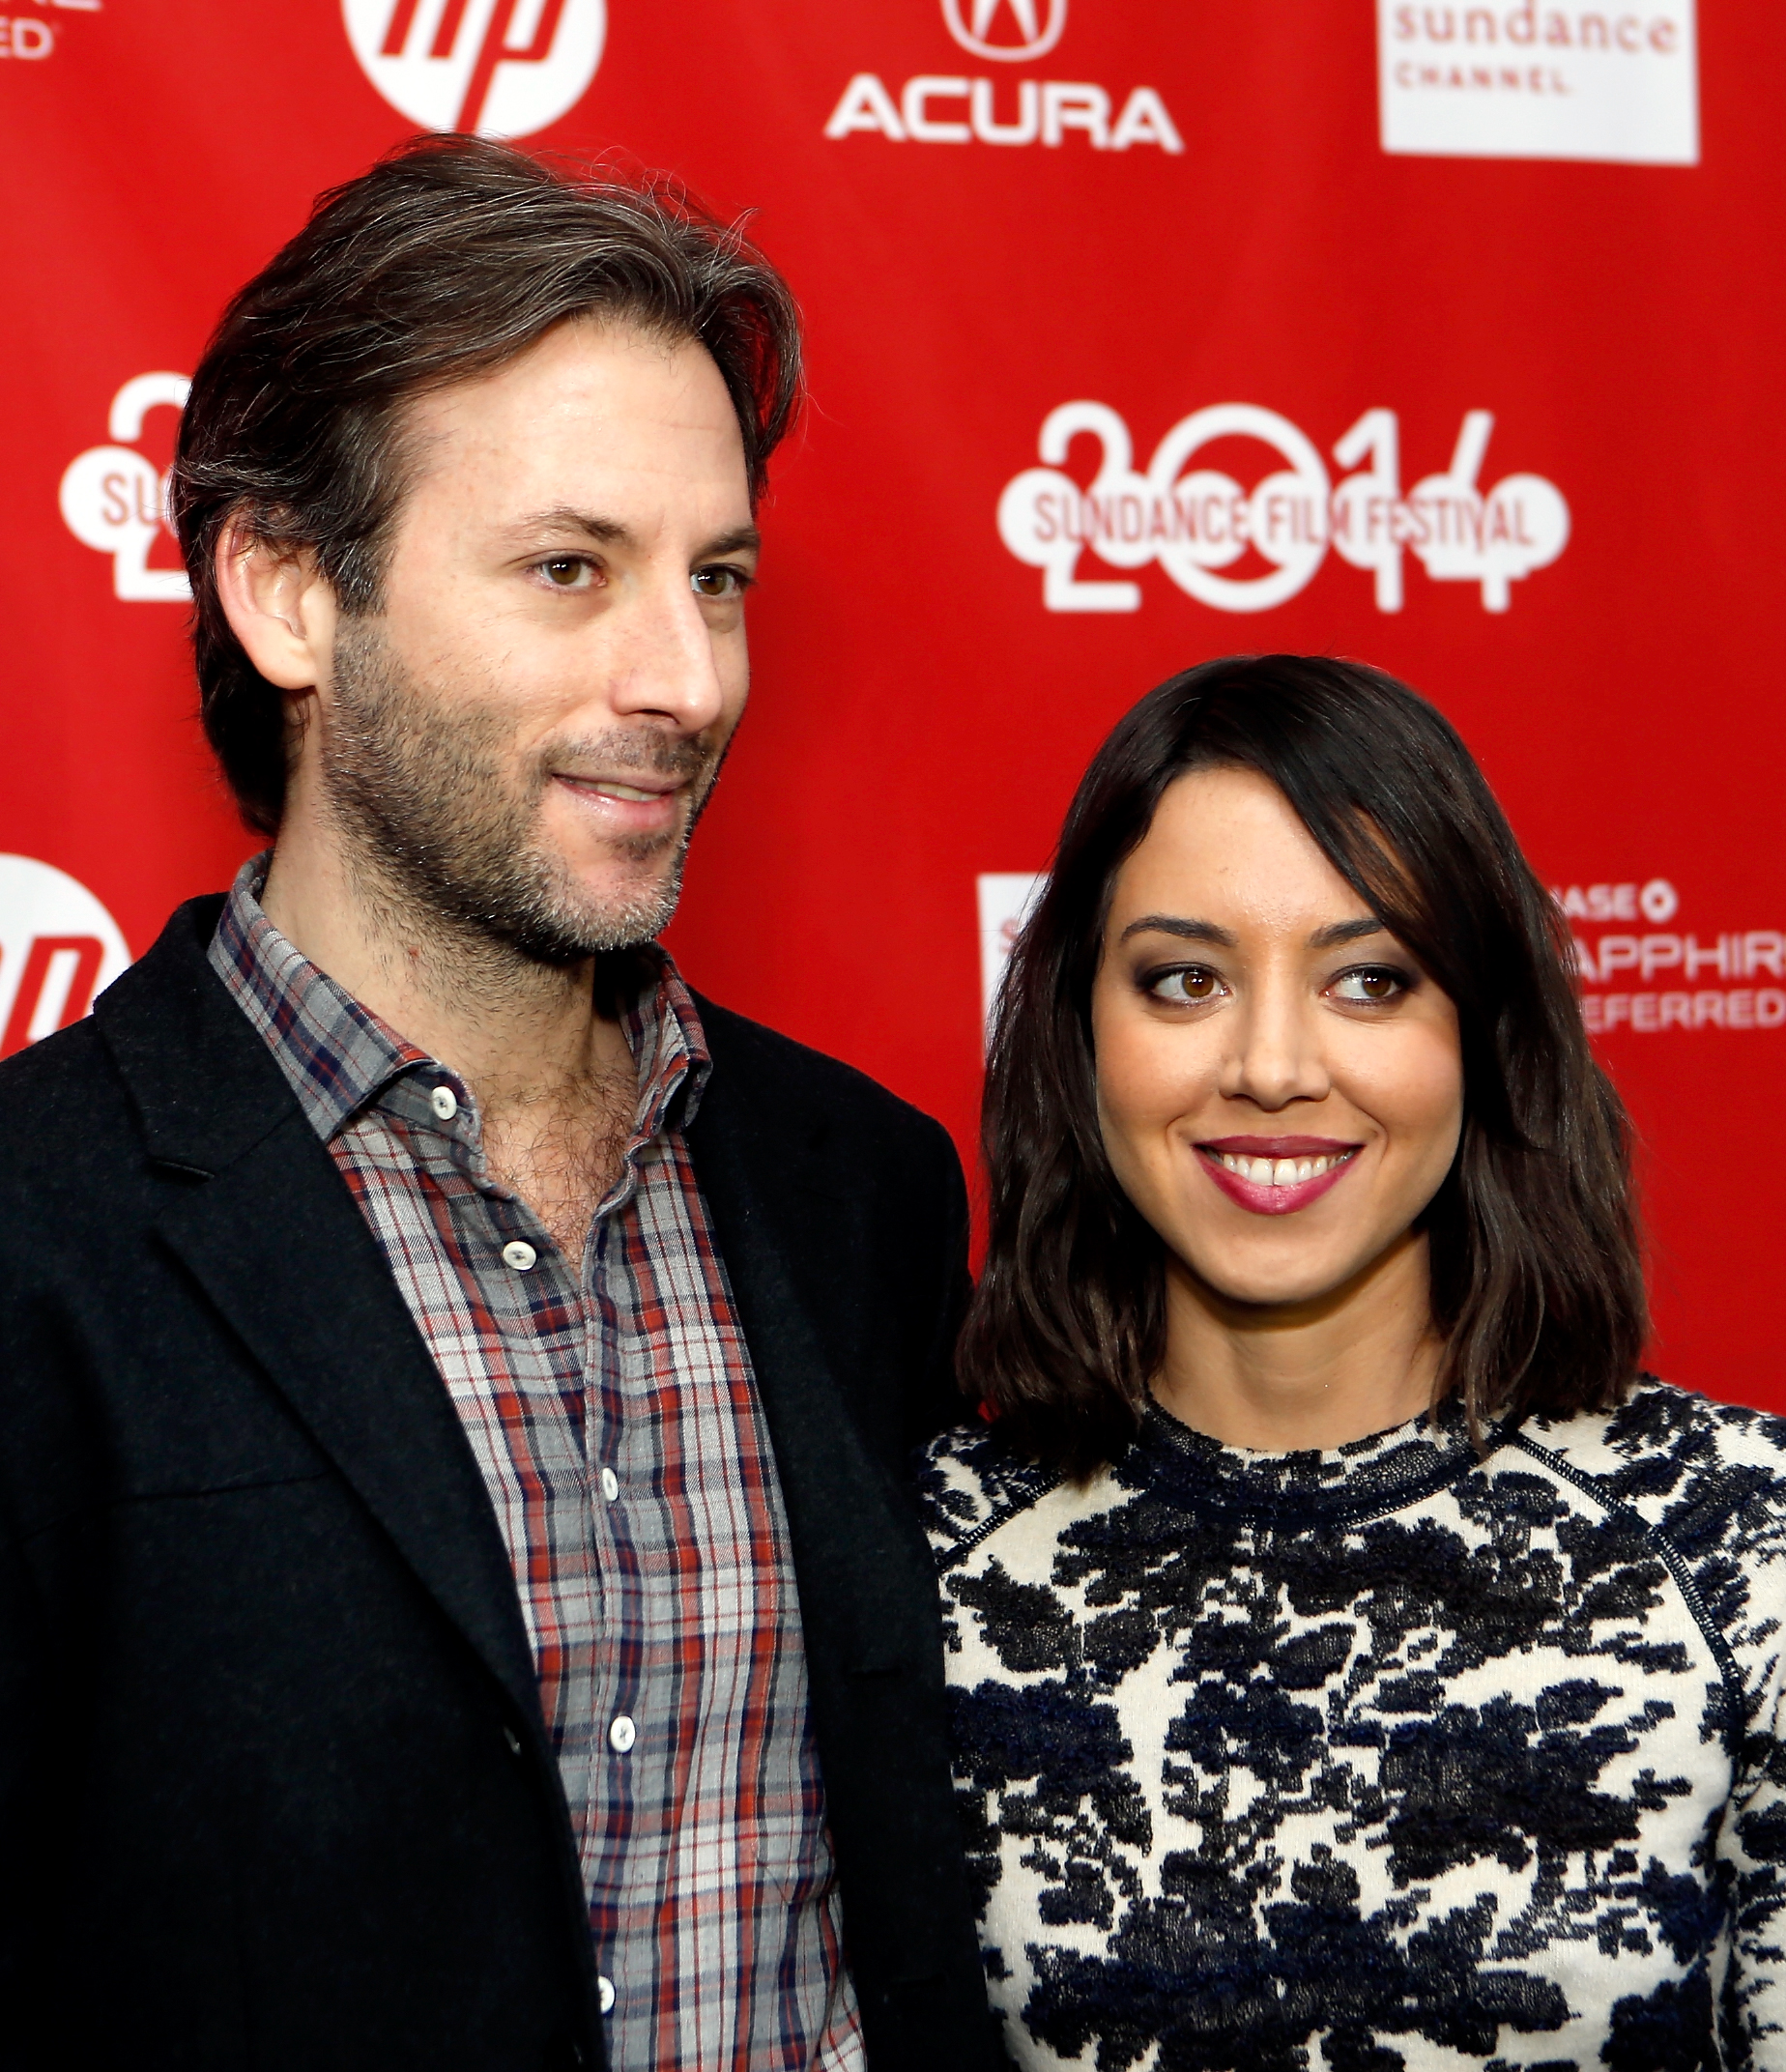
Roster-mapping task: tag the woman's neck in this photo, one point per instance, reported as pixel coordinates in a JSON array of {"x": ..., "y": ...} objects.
[{"x": 1306, "y": 1376}]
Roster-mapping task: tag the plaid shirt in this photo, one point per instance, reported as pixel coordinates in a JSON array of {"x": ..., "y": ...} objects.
[{"x": 613, "y": 1411}]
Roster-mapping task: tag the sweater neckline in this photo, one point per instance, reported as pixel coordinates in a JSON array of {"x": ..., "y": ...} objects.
[{"x": 1382, "y": 1472}]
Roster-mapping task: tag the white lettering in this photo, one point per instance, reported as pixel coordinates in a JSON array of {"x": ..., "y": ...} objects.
[
  {"x": 915, "y": 106},
  {"x": 1067, "y": 106},
  {"x": 990, "y": 130},
  {"x": 866, "y": 106},
  {"x": 1144, "y": 121}
]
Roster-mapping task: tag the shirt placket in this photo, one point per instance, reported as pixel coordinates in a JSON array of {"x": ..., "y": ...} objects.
[
  {"x": 539, "y": 1315},
  {"x": 623, "y": 1867}
]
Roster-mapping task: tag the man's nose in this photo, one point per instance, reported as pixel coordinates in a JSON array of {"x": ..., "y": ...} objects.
[
  {"x": 667, "y": 665},
  {"x": 1277, "y": 1056}
]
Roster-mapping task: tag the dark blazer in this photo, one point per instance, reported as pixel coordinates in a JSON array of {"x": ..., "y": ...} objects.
[{"x": 274, "y": 1789}]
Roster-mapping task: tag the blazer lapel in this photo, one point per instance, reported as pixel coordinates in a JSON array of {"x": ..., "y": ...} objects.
[
  {"x": 265, "y": 1226},
  {"x": 855, "y": 1546}
]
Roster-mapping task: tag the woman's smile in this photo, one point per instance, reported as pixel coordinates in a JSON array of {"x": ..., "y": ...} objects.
[{"x": 1275, "y": 1175}]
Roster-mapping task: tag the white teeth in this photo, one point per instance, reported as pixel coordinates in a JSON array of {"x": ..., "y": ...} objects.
[
  {"x": 625, "y": 791},
  {"x": 1280, "y": 1172}
]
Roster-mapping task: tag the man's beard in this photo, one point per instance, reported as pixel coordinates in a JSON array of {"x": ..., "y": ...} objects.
[{"x": 429, "y": 800}]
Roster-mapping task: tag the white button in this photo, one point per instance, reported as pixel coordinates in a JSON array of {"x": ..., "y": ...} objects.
[
  {"x": 519, "y": 1254},
  {"x": 604, "y": 1991},
  {"x": 621, "y": 1735},
  {"x": 445, "y": 1103},
  {"x": 609, "y": 1485}
]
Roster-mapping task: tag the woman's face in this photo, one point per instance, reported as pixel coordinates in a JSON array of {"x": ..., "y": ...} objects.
[{"x": 1279, "y": 1083}]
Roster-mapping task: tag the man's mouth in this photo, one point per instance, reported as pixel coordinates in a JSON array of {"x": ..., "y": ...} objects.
[
  {"x": 606, "y": 789},
  {"x": 629, "y": 807}
]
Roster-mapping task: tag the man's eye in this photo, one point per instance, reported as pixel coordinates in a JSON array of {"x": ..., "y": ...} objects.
[
  {"x": 1184, "y": 984},
  {"x": 566, "y": 571},
  {"x": 719, "y": 583},
  {"x": 1372, "y": 984}
]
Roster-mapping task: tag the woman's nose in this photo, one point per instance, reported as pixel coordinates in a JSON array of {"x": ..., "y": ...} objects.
[{"x": 1277, "y": 1056}]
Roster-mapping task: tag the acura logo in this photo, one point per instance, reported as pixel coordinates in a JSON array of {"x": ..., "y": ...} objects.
[{"x": 1039, "y": 35}]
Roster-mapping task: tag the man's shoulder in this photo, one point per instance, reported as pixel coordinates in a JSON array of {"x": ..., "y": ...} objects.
[
  {"x": 55, "y": 1094},
  {"x": 163, "y": 1043},
  {"x": 762, "y": 1074}
]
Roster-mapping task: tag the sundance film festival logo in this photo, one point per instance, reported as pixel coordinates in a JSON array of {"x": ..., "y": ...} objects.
[
  {"x": 114, "y": 500},
  {"x": 1198, "y": 520},
  {"x": 499, "y": 68}
]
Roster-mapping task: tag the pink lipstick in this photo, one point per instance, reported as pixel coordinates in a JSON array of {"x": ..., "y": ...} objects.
[{"x": 1275, "y": 1175}]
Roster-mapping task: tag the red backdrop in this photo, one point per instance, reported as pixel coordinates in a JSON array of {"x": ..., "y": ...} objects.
[{"x": 1020, "y": 206}]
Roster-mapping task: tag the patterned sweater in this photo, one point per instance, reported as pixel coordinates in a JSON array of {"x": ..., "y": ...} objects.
[{"x": 1387, "y": 1757}]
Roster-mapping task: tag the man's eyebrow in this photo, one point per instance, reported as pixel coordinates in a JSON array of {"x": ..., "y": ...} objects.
[
  {"x": 586, "y": 525},
  {"x": 1340, "y": 931},
  {"x": 741, "y": 539},
  {"x": 563, "y": 519},
  {"x": 1173, "y": 924}
]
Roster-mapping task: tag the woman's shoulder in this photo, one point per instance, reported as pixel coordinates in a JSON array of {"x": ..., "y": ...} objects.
[
  {"x": 970, "y": 1481},
  {"x": 1708, "y": 1476}
]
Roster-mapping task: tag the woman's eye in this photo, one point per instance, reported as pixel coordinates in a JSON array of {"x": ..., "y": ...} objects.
[
  {"x": 1369, "y": 987},
  {"x": 718, "y": 583},
  {"x": 1185, "y": 986},
  {"x": 566, "y": 571}
]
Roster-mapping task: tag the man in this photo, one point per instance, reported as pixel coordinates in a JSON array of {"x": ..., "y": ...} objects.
[{"x": 459, "y": 1607}]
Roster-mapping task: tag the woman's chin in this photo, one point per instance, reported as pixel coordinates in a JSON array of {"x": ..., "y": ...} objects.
[{"x": 1240, "y": 1280}]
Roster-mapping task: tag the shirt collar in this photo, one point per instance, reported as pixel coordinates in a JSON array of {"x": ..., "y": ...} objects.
[{"x": 339, "y": 1057}]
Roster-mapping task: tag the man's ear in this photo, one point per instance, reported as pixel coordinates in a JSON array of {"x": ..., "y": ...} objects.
[{"x": 279, "y": 606}]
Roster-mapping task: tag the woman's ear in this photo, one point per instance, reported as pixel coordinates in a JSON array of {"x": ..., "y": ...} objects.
[{"x": 279, "y": 606}]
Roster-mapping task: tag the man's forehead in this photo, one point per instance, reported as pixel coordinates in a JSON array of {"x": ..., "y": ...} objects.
[
  {"x": 615, "y": 373},
  {"x": 591, "y": 429}
]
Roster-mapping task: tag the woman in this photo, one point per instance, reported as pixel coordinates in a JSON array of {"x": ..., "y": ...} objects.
[{"x": 1355, "y": 1662}]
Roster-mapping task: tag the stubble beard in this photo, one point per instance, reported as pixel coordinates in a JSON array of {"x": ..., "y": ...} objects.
[{"x": 433, "y": 812}]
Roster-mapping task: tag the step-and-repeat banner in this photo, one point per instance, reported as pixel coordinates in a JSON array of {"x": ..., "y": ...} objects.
[{"x": 1448, "y": 337}]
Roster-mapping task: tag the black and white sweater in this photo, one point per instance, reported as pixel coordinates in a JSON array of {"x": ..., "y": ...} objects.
[{"x": 1381, "y": 1758}]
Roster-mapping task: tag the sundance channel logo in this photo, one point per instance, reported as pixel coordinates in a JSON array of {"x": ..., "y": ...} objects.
[
  {"x": 1199, "y": 520},
  {"x": 1517, "y": 79},
  {"x": 498, "y": 67}
]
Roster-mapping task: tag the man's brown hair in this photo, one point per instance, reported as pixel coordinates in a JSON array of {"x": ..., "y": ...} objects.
[{"x": 448, "y": 258}]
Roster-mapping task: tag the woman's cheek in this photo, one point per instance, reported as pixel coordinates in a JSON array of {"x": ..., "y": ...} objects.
[
  {"x": 1146, "y": 1077},
  {"x": 1414, "y": 1090}
]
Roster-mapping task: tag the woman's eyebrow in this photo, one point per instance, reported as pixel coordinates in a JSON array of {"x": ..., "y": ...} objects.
[
  {"x": 1171, "y": 923},
  {"x": 1338, "y": 932}
]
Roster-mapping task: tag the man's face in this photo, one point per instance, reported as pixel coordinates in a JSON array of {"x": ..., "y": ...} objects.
[{"x": 523, "y": 736}]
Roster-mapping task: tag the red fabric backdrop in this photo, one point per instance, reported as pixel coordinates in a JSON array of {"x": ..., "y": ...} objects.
[{"x": 1547, "y": 363}]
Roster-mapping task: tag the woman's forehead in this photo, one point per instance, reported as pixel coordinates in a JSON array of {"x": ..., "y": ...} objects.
[{"x": 1228, "y": 844}]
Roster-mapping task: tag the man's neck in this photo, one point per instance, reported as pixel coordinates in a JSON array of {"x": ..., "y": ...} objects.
[{"x": 517, "y": 1031}]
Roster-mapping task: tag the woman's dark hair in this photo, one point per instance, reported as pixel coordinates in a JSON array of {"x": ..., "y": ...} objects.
[
  {"x": 447, "y": 259},
  {"x": 1536, "y": 1280}
]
